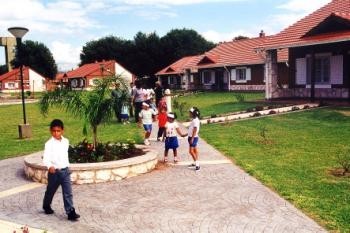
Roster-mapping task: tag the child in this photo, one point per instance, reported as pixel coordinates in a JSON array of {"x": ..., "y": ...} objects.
[
  {"x": 124, "y": 113},
  {"x": 162, "y": 120},
  {"x": 193, "y": 131},
  {"x": 171, "y": 142},
  {"x": 56, "y": 160},
  {"x": 146, "y": 118}
]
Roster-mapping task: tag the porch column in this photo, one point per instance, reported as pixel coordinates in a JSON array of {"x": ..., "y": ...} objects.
[
  {"x": 271, "y": 74},
  {"x": 313, "y": 77}
]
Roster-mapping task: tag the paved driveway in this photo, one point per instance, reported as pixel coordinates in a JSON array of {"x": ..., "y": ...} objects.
[{"x": 219, "y": 198}]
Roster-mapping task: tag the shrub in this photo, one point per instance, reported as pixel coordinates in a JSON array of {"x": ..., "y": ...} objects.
[
  {"x": 250, "y": 110},
  {"x": 240, "y": 97},
  {"x": 257, "y": 114},
  {"x": 259, "y": 108},
  {"x": 271, "y": 107},
  {"x": 272, "y": 112},
  {"x": 213, "y": 116},
  {"x": 295, "y": 108},
  {"x": 306, "y": 106},
  {"x": 84, "y": 152},
  {"x": 28, "y": 93},
  {"x": 343, "y": 159}
]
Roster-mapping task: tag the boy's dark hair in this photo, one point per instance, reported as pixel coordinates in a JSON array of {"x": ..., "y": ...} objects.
[
  {"x": 195, "y": 112},
  {"x": 56, "y": 123}
]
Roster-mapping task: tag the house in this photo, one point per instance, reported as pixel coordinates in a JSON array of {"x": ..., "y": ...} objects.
[
  {"x": 181, "y": 74},
  {"x": 236, "y": 65},
  {"x": 319, "y": 55},
  {"x": 84, "y": 76},
  {"x": 11, "y": 81}
]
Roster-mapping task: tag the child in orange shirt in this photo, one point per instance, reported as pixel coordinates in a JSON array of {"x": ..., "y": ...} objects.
[{"x": 162, "y": 119}]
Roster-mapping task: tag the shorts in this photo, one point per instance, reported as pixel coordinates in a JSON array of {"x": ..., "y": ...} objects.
[
  {"x": 171, "y": 143},
  {"x": 195, "y": 141},
  {"x": 124, "y": 116},
  {"x": 148, "y": 128}
]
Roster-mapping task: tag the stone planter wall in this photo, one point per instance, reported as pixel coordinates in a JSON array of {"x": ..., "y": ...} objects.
[{"x": 87, "y": 173}]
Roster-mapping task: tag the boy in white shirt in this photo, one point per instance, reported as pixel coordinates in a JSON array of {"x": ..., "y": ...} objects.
[
  {"x": 193, "y": 131},
  {"x": 146, "y": 117},
  {"x": 56, "y": 160}
]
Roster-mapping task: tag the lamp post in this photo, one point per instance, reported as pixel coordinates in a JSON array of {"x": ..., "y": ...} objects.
[{"x": 19, "y": 32}]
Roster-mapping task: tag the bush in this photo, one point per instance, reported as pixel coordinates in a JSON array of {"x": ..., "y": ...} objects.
[
  {"x": 272, "y": 112},
  {"x": 306, "y": 106},
  {"x": 257, "y": 114},
  {"x": 271, "y": 107},
  {"x": 240, "y": 97},
  {"x": 84, "y": 152},
  {"x": 295, "y": 108},
  {"x": 28, "y": 93},
  {"x": 343, "y": 159},
  {"x": 250, "y": 110},
  {"x": 213, "y": 116},
  {"x": 259, "y": 108}
]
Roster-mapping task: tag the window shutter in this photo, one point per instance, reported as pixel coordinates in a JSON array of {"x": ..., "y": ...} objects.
[
  {"x": 337, "y": 69},
  {"x": 233, "y": 74},
  {"x": 300, "y": 77},
  {"x": 248, "y": 74}
]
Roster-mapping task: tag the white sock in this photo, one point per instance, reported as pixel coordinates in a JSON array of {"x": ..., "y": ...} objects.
[{"x": 197, "y": 163}]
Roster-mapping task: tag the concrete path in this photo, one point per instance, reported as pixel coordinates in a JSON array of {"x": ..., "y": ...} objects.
[{"x": 219, "y": 198}]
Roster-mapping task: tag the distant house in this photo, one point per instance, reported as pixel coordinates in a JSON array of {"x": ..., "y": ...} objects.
[
  {"x": 236, "y": 65},
  {"x": 319, "y": 55},
  {"x": 181, "y": 74},
  {"x": 84, "y": 76},
  {"x": 11, "y": 81}
]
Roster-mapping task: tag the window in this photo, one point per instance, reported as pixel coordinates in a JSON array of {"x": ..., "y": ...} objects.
[
  {"x": 241, "y": 74},
  {"x": 322, "y": 70},
  {"x": 11, "y": 85},
  {"x": 206, "y": 77}
]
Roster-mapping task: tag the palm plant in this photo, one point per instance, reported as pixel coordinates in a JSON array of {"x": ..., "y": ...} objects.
[{"x": 94, "y": 107}]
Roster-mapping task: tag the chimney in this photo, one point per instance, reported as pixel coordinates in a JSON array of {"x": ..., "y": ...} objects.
[{"x": 262, "y": 34}]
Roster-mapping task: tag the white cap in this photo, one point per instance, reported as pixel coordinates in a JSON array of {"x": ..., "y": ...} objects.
[
  {"x": 171, "y": 115},
  {"x": 145, "y": 104},
  {"x": 191, "y": 109}
]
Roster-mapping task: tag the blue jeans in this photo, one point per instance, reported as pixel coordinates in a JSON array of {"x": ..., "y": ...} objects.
[{"x": 60, "y": 177}]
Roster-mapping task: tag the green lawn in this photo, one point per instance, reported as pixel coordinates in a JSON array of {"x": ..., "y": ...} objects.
[
  {"x": 294, "y": 158},
  {"x": 11, "y": 116},
  {"x": 210, "y": 103}
]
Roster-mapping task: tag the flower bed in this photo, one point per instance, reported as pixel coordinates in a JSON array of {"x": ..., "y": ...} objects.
[{"x": 87, "y": 173}]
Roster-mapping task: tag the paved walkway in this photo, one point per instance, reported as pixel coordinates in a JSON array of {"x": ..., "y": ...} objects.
[{"x": 219, "y": 198}]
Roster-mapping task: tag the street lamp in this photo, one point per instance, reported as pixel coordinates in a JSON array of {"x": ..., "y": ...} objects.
[{"x": 19, "y": 32}]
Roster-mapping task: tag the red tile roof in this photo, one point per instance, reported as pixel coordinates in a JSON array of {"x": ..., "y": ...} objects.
[
  {"x": 180, "y": 65},
  {"x": 14, "y": 74},
  {"x": 87, "y": 69},
  {"x": 295, "y": 35},
  {"x": 237, "y": 53}
]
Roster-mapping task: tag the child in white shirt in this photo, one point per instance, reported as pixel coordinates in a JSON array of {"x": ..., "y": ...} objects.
[{"x": 146, "y": 117}]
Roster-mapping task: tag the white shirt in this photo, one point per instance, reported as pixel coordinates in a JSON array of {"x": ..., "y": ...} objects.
[
  {"x": 171, "y": 129},
  {"x": 194, "y": 124},
  {"x": 146, "y": 116},
  {"x": 56, "y": 153}
]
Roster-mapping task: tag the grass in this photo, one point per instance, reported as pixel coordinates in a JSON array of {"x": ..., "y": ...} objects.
[
  {"x": 214, "y": 103},
  {"x": 11, "y": 116},
  {"x": 294, "y": 158}
]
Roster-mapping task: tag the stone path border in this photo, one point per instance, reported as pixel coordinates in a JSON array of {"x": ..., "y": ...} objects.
[{"x": 88, "y": 173}]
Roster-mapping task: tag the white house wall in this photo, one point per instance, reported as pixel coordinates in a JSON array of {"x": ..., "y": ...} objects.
[
  {"x": 36, "y": 82},
  {"x": 119, "y": 70}
]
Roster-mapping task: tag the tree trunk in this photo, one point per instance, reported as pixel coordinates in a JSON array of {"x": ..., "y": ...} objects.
[{"x": 94, "y": 133}]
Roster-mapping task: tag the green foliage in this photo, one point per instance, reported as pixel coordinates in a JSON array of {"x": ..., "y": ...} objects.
[
  {"x": 182, "y": 107},
  {"x": 239, "y": 96},
  {"x": 38, "y": 57},
  {"x": 3, "y": 69},
  {"x": 85, "y": 152},
  {"x": 297, "y": 164},
  {"x": 343, "y": 159},
  {"x": 94, "y": 107}
]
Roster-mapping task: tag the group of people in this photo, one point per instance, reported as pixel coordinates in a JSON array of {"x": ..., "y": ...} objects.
[{"x": 55, "y": 156}]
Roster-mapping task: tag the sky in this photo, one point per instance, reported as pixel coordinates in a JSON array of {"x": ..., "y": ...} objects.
[{"x": 66, "y": 26}]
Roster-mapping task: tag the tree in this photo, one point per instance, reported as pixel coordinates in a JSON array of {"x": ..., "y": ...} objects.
[
  {"x": 94, "y": 107},
  {"x": 241, "y": 38},
  {"x": 3, "y": 69},
  {"x": 38, "y": 57}
]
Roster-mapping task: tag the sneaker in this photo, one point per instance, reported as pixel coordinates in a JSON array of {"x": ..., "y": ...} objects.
[
  {"x": 198, "y": 168},
  {"x": 191, "y": 165},
  {"x": 165, "y": 159},
  {"x": 147, "y": 143},
  {"x": 176, "y": 160},
  {"x": 48, "y": 210},
  {"x": 72, "y": 216}
]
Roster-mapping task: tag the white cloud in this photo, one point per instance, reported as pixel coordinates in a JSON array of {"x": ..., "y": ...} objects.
[
  {"x": 216, "y": 36},
  {"x": 302, "y": 6},
  {"x": 175, "y": 2},
  {"x": 66, "y": 56}
]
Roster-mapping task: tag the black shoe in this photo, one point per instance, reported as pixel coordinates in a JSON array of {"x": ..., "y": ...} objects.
[
  {"x": 72, "y": 216},
  {"x": 48, "y": 210},
  {"x": 191, "y": 165},
  {"x": 198, "y": 168}
]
